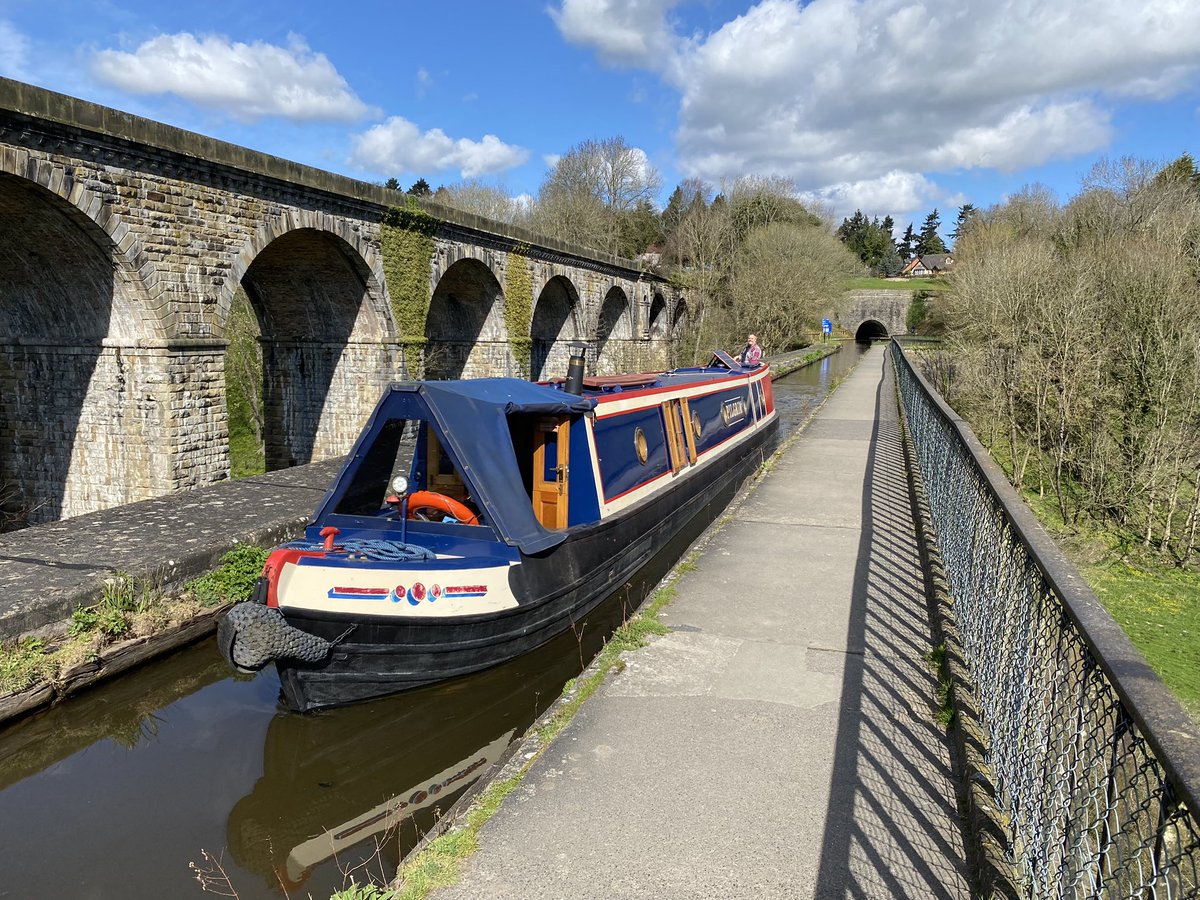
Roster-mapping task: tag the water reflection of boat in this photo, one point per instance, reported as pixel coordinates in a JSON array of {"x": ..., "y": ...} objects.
[
  {"x": 333, "y": 783},
  {"x": 474, "y": 520},
  {"x": 436, "y": 791}
]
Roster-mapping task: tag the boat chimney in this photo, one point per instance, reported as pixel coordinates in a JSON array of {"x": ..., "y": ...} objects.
[{"x": 574, "y": 383}]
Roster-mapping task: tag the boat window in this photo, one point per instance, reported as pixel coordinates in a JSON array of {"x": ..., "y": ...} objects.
[{"x": 389, "y": 454}]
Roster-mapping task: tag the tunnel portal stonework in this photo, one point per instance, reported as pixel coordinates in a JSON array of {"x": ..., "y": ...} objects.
[
  {"x": 122, "y": 244},
  {"x": 886, "y": 306}
]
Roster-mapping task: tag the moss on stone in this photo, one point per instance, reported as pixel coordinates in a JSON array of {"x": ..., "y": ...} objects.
[
  {"x": 406, "y": 240},
  {"x": 518, "y": 306}
]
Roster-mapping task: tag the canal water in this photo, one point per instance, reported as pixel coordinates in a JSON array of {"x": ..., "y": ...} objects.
[{"x": 130, "y": 788}]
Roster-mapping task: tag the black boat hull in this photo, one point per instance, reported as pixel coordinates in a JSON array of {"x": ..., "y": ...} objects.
[{"x": 558, "y": 589}]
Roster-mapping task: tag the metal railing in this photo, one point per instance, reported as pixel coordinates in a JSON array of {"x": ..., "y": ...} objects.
[{"x": 1096, "y": 765}]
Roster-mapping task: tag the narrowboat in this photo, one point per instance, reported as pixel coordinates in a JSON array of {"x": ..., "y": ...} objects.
[{"x": 476, "y": 519}]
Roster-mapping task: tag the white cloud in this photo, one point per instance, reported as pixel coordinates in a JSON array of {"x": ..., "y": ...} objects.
[
  {"x": 624, "y": 32},
  {"x": 400, "y": 146},
  {"x": 247, "y": 81},
  {"x": 14, "y": 52},
  {"x": 1025, "y": 137},
  {"x": 841, "y": 95},
  {"x": 551, "y": 159},
  {"x": 896, "y": 193}
]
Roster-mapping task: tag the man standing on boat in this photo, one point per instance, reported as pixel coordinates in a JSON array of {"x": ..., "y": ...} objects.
[{"x": 751, "y": 353}]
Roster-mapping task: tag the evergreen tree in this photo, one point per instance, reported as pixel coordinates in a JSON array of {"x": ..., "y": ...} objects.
[
  {"x": 420, "y": 188},
  {"x": 890, "y": 263},
  {"x": 392, "y": 184},
  {"x": 852, "y": 232},
  {"x": 907, "y": 246},
  {"x": 966, "y": 213},
  {"x": 929, "y": 241},
  {"x": 673, "y": 214},
  {"x": 1183, "y": 170},
  {"x": 868, "y": 239},
  {"x": 640, "y": 228}
]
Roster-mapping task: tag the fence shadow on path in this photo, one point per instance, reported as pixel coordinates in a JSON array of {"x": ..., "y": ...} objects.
[{"x": 892, "y": 824}]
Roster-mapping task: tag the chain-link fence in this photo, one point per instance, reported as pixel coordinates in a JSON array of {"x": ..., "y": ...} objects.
[{"x": 1096, "y": 765}]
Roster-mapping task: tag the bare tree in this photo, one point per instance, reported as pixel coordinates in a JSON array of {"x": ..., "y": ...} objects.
[
  {"x": 489, "y": 201},
  {"x": 591, "y": 187},
  {"x": 1078, "y": 332},
  {"x": 784, "y": 277}
]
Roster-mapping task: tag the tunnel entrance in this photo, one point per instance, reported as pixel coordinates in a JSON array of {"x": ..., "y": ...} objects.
[{"x": 871, "y": 330}]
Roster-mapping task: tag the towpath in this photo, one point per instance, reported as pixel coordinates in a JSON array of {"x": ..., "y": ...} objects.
[{"x": 782, "y": 740}]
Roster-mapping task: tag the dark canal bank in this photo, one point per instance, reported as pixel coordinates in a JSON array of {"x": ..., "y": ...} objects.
[{"x": 113, "y": 793}]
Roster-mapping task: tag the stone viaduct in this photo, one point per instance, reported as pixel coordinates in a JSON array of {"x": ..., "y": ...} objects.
[{"x": 124, "y": 241}]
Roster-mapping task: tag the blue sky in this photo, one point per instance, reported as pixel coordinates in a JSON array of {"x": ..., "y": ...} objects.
[{"x": 891, "y": 106}]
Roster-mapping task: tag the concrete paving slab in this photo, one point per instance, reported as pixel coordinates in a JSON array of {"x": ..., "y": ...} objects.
[
  {"x": 782, "y": 741},
  {"x": 46, "y": 570}
]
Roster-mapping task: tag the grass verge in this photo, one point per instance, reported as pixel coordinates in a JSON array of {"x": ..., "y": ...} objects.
[{"x": 903, "y": 284}]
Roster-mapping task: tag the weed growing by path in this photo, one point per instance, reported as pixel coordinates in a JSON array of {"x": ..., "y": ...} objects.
[
  {"x": 233, "y": 581},
  {"x": 936, "y": 658},
  {"x": 128, "y": 607}
]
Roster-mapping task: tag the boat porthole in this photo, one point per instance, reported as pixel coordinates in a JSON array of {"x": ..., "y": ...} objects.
[
  {"x": 696, "y": 423},
  {"x": 639, "y": 444}
]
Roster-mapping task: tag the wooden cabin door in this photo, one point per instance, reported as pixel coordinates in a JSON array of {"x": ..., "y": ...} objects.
[
  {"x": 551, "y": 456},
  {"x": 681, "y": 441}
]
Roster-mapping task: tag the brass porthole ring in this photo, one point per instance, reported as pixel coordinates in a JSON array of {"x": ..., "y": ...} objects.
[
  {"x": 696, "y": 423},
  {"x": 639, "y": 444}
]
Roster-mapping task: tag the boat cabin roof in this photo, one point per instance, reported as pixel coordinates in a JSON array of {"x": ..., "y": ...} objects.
[{"x": 471, "y": 419}]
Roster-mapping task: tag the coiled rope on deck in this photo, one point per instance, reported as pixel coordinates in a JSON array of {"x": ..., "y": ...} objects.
[{"x": 381, "y": 550}]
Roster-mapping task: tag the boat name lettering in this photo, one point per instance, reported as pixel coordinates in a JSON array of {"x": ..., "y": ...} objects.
[{"x": 733, "y": 411}]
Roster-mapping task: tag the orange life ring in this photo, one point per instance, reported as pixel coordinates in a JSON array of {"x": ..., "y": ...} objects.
[{"x": 450, "y": 506}]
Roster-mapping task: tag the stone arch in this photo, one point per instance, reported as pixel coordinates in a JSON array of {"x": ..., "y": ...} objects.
[
  {"x": 122, "y": 243},
  {"x": 680, "y": 318},
  {"x": 554, "y": 327},
  {"x": 614, "y": 333},
  {"x": 870, "y": 330},
  {"x": 327, "y": 338},
  {"x": 81, "y": 362},
  {"x": 658, "y": 327},
  {"x": 465, "y": 332},
  {"x": 360, "y": 254}
]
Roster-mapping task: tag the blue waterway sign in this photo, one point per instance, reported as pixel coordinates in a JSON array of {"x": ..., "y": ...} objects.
[{"x": 826, "y": 326}]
